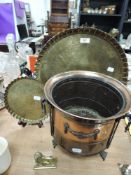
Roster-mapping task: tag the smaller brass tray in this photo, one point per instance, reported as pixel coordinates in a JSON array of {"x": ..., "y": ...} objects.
[{"x": 23, "y": 100}]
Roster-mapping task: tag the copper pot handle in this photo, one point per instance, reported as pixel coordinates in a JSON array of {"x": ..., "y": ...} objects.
[
  {"x": 80, "y": 135},
  {"x": 43, "y": 105}
]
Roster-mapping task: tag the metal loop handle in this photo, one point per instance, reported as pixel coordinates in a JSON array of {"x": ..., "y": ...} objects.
[
  {"x": 43, "y": 105},
  {"x": 80, "y": 135}
]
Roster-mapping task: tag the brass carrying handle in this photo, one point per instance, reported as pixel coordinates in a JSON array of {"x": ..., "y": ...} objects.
[{"x": 80, "y": 135}]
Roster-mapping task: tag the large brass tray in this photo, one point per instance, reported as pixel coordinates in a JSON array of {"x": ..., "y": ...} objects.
[{"x": 82, "y": 49}]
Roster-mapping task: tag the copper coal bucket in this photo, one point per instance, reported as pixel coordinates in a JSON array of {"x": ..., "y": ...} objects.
[{"x": 86, "y": 108}]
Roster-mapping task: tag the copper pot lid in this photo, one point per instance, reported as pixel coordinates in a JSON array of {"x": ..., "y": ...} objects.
[{"x": 82, "y": 49}]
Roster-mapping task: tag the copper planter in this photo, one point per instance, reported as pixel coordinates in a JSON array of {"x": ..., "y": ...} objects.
[{"x": 86, "y": 108}]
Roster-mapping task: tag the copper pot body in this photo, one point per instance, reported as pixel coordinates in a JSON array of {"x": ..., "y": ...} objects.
[
  {"x": 83, "y": 134},
  {"x": 81, "y": 146}
]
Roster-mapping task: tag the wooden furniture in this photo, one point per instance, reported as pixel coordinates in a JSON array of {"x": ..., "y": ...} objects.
[
  {"x": 58, "y": 20},
  {"x": 57, "y": 24},
  {"x": 59, "y": 7}
]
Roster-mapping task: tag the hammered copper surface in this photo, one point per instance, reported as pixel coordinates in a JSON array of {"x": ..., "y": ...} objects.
[
  {"x": 82, "y": 148},
  {"x": 65, "y": 52},
  {"x": 86, "y": 146},
  {"x": 60, "y": 120},
  {"x": 23, "y": 99}
]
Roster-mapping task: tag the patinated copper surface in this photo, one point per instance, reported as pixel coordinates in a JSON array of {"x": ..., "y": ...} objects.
[
  {"x": 105, "y": 129},
  {"x": 65, "y": 52},
  {"x": 78, "y": 146},
  {"x": 83, "y": 133}
]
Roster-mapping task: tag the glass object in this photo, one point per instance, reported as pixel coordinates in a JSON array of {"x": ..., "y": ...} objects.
[
  {"x": 128, "y": 41},
  {"x": 11, "y": 45},
  {"x": 1, "y": 84},
  {"x": 23, "y": 51},
  {"x": 96, "y": 10},
  {"x": 3, "y": 60},
  {"x": 11, "y": 69}
]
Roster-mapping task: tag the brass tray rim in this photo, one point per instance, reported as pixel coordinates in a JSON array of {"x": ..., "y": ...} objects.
[
  {"x": 22, "y": 119},
  {"x": 84, "y": 30}
]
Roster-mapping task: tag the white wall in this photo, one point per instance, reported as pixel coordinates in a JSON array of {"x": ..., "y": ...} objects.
[{"x": 39, "y": 10}]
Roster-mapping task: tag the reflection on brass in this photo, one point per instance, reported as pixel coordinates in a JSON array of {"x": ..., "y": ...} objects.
[
  {"x": 65, "y": 52},
  {"x": 44, "y": 162},
  {"x": 114, "y": 32},
  {"x": 125, "y": 169},
  {"x": 110, "y": 9}
]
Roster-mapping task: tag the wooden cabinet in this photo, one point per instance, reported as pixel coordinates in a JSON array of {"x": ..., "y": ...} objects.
[
  {"x": 59, "y": 7},
  {"x": 58, "y": 20}
]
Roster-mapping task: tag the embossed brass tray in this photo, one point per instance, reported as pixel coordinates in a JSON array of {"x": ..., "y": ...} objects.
[
  {"x": 82, "y": 49},
  {"x": 23, "y": 100}
]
